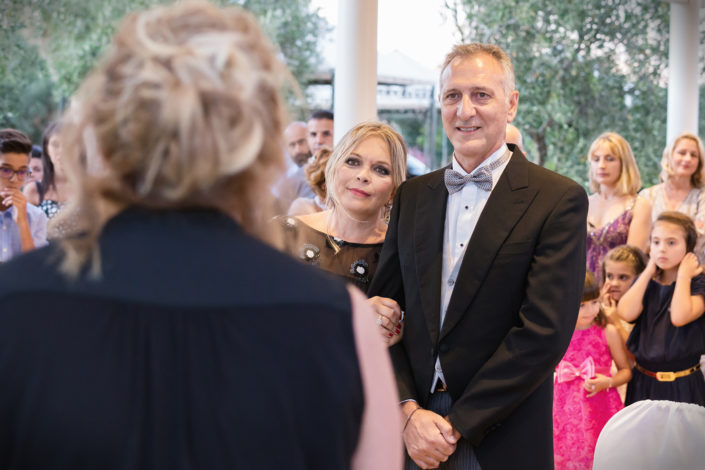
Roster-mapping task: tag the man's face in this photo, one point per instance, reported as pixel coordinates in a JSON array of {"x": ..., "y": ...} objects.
[
  {"x": 16, "y": 162},
  {"x": 296, "y": 143},
  {"x": 475, "y": 108},
  {"x": 320, "y": 134}
]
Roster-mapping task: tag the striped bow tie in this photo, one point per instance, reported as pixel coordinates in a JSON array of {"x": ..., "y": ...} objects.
[{"x": 482, "y": 177}]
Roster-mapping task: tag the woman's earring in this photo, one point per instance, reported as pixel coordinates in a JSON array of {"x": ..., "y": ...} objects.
[{"x": 386, "y": 212}]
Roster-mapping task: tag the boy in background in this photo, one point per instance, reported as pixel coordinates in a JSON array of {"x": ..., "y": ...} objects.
[{"x": 23, "y": 226}]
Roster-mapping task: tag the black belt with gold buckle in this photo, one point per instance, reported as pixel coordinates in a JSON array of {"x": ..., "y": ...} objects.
[{"x": 668, "y": 376}]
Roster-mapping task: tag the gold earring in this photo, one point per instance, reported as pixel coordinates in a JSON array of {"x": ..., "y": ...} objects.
[{"x": 387, "y": 212}]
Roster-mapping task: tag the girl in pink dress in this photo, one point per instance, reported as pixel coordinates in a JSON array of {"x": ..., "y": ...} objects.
[{"x": 585, "y": 397}]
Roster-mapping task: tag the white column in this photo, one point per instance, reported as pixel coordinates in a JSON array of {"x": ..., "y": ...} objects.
[
  {"x": 683, "y": 69},
  {"x": 355, "y": 85}
]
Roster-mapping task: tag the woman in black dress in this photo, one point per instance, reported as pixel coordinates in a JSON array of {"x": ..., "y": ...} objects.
[
  {"x": 168, "y": 336},
  {"x": 362, "y": 175}
]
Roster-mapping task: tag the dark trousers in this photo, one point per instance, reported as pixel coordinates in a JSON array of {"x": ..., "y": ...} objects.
[{"x": 464, "y": 457}]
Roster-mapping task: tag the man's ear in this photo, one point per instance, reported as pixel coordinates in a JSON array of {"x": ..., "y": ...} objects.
[{"x": 513, "y": 105}]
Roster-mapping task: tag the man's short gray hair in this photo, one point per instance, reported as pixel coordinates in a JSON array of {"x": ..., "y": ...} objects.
[{"x": 471, "y": 49}]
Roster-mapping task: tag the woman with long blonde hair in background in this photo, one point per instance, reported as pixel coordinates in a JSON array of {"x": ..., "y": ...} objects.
[
  {"x": 681, "y": 184},
  {"x": 616, "y": 214}
]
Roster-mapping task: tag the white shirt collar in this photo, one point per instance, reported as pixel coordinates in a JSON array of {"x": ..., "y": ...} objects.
[{"x": 496, "y": 155}]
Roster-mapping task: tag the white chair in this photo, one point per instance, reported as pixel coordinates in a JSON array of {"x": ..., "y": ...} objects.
[{"x": 651, "y": 435}]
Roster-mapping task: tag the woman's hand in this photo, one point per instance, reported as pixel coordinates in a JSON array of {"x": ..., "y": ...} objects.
[
  {"x": 388, "y": 318},
  {"x": 398, "y": 335},
  {"x": 597, "y": 384}
]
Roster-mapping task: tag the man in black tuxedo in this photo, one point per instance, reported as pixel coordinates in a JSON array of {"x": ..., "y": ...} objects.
[{"x": 487, "y": 259}]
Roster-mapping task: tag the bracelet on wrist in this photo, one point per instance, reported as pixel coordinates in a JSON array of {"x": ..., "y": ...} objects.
[{"x": 408, "y": 418}]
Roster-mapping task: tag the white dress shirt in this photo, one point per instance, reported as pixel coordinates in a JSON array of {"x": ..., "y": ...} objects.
[
  {"x": 10, "y": 240},
  {"x": 462, "y": 212}
]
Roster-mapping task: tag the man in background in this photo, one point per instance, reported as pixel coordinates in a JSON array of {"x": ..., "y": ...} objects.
[
  {"x": 320, "y": 130},
  {"x": 295, "y": 139},
  {"x": 23, "y": 226}
]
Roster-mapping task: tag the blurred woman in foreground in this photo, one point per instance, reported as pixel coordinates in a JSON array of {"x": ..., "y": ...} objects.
[{"x": 171, "y": 337}]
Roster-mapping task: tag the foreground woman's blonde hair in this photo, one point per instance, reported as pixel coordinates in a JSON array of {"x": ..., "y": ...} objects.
[{"x": 184, "y": 111}]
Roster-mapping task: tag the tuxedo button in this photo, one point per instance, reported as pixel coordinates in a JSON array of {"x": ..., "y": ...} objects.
[
  {"x": 451, "y": 282},
  {"x": 444, "y": 348}
]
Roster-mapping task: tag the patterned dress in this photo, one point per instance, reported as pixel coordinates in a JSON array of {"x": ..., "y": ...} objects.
[
  {"x": 600, "y": 240},
  {"x": 50, "y": 207},
  {"x": 693, "y": 206},
  {"x": 578, "y": 420},
  {"x": 354, "y": 262}
]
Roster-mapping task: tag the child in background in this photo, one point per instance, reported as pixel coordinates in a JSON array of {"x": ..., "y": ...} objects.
[
  {"x": 584, "y": 396},
  {"x": 23, "y": 227},
  {"x": 666, "y": 303},
  {"x": 620, "y": 267}
]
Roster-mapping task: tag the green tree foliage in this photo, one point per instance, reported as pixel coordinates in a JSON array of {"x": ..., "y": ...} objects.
[
  {"x": 48, "y": 47},
  {"x": 25, "y": 84},
  {"x": 582, "y": 68}
]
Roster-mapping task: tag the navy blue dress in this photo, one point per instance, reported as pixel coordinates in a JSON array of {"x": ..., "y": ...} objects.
[
  {"x": 198, "y": 348},
  {"x": 659, "y": 346}
]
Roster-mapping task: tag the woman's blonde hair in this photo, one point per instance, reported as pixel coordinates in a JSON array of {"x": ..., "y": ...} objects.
[
  {"x": 354, "y": 137},
  {"x": 316, "y": 172},
  {"x": 186, "y": 112},
  {"x": 629, "y": 181},
  {"x": 697, "y": 179}
]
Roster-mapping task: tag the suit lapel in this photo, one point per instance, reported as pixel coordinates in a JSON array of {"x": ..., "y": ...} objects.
[
  {"x": 428, "y": 241},
  {"x": 509, "y": 200}
]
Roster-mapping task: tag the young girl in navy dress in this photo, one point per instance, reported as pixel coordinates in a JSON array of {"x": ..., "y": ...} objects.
[
  {"x": 666, "y": 305},
  {"x": 584, "y": 397}
]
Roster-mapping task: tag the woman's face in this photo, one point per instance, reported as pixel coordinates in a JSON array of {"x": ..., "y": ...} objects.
[
  {"x": 54, "y": 148},
  {"x": 685, "y": 157},
  {"x": 605, "y": 166},
  {"x": 363, "y": 181},
  {"x": 619, "y": 276},
  {"x": 37, "y": 169}
]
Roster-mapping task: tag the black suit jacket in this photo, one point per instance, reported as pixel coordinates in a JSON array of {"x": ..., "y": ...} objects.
[{"x": 512, "y": 312}]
